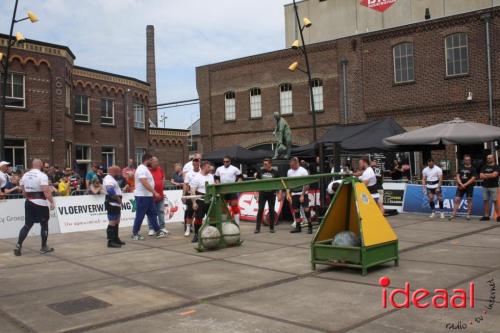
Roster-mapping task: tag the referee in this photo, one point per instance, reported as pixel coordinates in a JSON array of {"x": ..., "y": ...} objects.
[{"x": 35, "y": 186}]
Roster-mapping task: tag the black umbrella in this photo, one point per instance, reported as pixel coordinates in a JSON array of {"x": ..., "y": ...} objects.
[{"x": 237, "y": 153}]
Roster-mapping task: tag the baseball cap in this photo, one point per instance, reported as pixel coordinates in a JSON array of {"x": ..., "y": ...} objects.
[{"x": 4, "y": 163}]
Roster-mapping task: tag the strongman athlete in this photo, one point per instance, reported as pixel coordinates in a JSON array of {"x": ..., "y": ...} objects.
[
  {"x": 431, "y": 183},
  {"x": 230, "y": 174},
  {"x": 189, "y": 212},
  {"x": 198, "y": 187},
  {"x": 35, "y": 185},
  {"x": 113, "y": 202},
  {"x": 267, "y": 172},
  {"x": 299, "y": 196}
]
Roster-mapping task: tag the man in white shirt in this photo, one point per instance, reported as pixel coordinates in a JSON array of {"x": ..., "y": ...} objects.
[
  {"x": 113, "y": 203},
  {"x": 35, "y": 185},
  {"x": 3, "y": 177},
  {"x": 228, "y": 173},
  {"x": 432, "y": 179},
  {"x": 299, "y": 197},
  {"x": 198, "y": 187},
  {"x": 189, "y": 212},
  {"x": 369, "y": 178},
  {"x": 145, "y": 194},
  {"x": 189, "y": 165}
]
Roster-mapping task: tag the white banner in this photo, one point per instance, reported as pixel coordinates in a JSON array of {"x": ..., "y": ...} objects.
[{"x": 12, "y": 219}]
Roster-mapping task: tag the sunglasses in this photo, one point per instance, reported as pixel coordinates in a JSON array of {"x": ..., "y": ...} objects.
[{"x": 196, "y": 160}]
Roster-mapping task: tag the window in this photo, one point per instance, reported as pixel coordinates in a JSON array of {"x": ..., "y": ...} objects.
[
  {"x": 108, "y": 156},
  {"x": 15, "y": 153},
  {"x": 193, "y": 146},
  {"x": 457, "y": 54},
  {"x": 139, "y": 153},
  {"x": 107, "y": 112},
  {"x": 67, "y": 101},
  {"x": 82, "y": 153},
  {"x": 82, "y": 113},
  {"x": 69, "y": 154},
  {"x": 230, "y": 105},
  {"x": 139, "y": 116},
  {"x": 255, "y": 103},
  {"x": 15, "y": 90},
  {"x": 286, "y": 104},
  {"x": 317, "y": 88},
  {"x": 403, "y": 63}
]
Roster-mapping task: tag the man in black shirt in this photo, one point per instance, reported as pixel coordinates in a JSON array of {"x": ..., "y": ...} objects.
[
  {"x": 489, "y": 176},
  {"x": 267, "y": 172},
  {"x": 466, "y": 178}
]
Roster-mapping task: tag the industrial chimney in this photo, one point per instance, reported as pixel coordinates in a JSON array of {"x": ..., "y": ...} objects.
[{"x": 151, "y": 71}]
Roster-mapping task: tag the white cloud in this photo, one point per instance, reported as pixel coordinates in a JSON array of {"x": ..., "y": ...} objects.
[{"x": 110, "y": 35}]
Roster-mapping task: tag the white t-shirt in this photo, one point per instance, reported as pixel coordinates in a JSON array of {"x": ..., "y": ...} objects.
[
  {"x": 227, "y": 175},
  {"x": 3, "y": 180},
  {"x": 369, "y": 175},
  {"x": 198, "y": 182},
  {"x": 33, "y": 181},
  {"x": 299, "y": 172},
  {"x": 143, "y": 172},
  {"x": 432, "y": 175},
  {"x": 110, "y": 181},
  {"x": 187, "y": 167},
  {"x": 189, "y": 176}
]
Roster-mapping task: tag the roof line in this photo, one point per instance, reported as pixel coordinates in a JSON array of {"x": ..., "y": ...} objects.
[
  {"x": 112, "y": 74},
  {"x": 33, "y": 41}
]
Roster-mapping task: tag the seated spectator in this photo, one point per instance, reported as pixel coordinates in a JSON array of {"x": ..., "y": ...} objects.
[
  {"x": 100, "y": 173},
  {"x": 64, "y": 186},
  {"x": 177, "y": 178},
  {"x": 90, "y": 175},
  {"x": 95, "y": 187},
  {"x": 13, "y": 186}
]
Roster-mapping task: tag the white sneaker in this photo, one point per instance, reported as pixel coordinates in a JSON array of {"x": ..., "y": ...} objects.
[
  {"x": 160, "y": 234},
  {"x": 165, "y": 231},
  {"x": 187, "y": 232},
  {"x": 293, "y": 224},
  {"x": 151, "y": 232},
  {"x": 432, "y": 215},
  {"x": 441, "y": 216}
]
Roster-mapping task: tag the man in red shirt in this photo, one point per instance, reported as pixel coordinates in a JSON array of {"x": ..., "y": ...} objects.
[{"x": 159, "y": 177}]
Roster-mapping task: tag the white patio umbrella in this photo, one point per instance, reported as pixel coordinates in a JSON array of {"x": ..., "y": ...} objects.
[{"x": 456, "y": 131}]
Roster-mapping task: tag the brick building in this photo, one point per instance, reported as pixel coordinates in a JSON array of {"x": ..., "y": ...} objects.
[
  {"x": 418, "y": 74},
  {"x": 73, "y": 116}
]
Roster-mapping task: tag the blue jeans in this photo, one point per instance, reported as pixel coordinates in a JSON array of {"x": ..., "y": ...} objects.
[
  {"x": 145, "y": 206},
  {"x": 160, "y": 208}
]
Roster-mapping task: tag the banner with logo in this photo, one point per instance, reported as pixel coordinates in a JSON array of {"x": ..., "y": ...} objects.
[
  {"x": 12, "y": 219},
  {"x": 393, "y": 196},
  {"x": 378, "y": 5},
  {"x": 415, "y": 201}
]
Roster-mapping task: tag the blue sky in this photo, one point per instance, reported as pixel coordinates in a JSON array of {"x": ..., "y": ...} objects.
[{"x": 109, "y": 35}]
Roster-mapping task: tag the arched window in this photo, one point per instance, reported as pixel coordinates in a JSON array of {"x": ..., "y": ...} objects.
[
  {"x": 403, "y": 63},
  {"x": 317, "y": 88},
  {"x": 457, "y": 54},
  {"x": 230, "y": 105},
  {"x": 286, "y": 99},
  {"x": 255, "y": 103}
]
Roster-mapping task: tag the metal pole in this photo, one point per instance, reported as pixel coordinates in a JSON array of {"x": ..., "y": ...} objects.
[
  {"x": 308, "y": 70},
  {"x": 344, "y": 62},
  {"x": 487, "y": 19},
  {"x": 127, "y": 126},
  {"x": 4, "y": 87}
]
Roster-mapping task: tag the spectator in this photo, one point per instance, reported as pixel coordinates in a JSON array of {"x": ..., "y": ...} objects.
[
  {"x": 13, "y": 186},
  {"x": 159, "y": 177},
  {"x": 64, "y": 186},
  {"x": 95, "y": 187},
  {"x": 177, "y": 178},
  {"x": 397, "y": 171},
  {"x": 100, "y": 173},
  {"x": 3, "y": 176},
  {"x": 128, "y": 175},
  {"x": 489, "y": 175},
  {"x": 90, "y": 175}
]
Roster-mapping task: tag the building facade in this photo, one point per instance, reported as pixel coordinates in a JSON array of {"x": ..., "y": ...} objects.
[
  {"x": 333, "y": 19},
  {"x": 418, "y": 74},
  {"x": 72, "y": 116}
]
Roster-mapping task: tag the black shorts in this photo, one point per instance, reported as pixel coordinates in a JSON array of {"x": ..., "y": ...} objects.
[
  {"x": 189, "y": 212},
  {"x": 469, "y": 191},
  {"x": 296, "y": 204},
  {"x": 202, "y": 209},
  {"x": 36, "y": 213},
  {"x": 433, "y": 191},
  {"x": 231, "y": 197}
]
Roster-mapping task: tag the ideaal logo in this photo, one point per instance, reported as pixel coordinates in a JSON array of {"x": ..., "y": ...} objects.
[{"x": 423, "y": 298}]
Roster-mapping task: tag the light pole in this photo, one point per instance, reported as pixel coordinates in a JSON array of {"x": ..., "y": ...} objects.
[
  {"x": 306, "y": 23},
  {"x": 4, "y": 60},
  {"x": 163, "y": 119}
]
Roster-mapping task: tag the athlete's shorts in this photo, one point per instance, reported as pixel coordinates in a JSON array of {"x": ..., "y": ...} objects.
[
  {"x": 189, "y": 212},
  {"x": 296, "y": 204},
  {"x": 469, "y": 191},
  {"x": 36, "y": 213},
  {"x": 433, "y": 191},
  {"x": 114, "y": 212},
  {"x": 231, "y": 197},
  {"x": 202, "y": 209}
]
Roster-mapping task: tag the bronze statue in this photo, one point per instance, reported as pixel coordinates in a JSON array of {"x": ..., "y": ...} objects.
[{"x": 283, "y": 136}]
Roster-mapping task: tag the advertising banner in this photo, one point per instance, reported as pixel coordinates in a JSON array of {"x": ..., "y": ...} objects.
[
  {"x": 378, "y": 5},
  {"x": 415, "y": 201},
  {"x": 393, "y": 196},
  {"x": 12, "y": 219}
]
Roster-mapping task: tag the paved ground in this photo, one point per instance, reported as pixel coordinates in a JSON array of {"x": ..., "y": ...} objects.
[{"x": 266, "y": 285}]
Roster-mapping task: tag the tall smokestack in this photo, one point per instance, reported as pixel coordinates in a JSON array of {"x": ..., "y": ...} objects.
[{"x": 151, "y": 70}]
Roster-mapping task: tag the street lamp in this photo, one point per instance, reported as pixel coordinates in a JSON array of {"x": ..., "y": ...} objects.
[
  {"x": 4, "y": 60},
  {"x": 301, "y": 45}
]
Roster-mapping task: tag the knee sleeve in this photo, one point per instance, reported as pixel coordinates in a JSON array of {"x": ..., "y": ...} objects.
[
  {"x": 198, "y": 221},
  {"x": 307, "y": 213},
  {"x": 441, "y": 204},
  {"x": 432, "y": 204}
]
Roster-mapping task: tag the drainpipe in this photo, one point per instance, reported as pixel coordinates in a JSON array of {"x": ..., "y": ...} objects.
[
  {"x": 127, "y": 125},
  {"x": 344, "y": 63},
  {"x": 487, "y": 20}
]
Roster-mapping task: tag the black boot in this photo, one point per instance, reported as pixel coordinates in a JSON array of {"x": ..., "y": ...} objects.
[
  {"x": 195, "y": 236},
  {"x": 110, "y": 231},
  {"x": 117, "y": 238},
  {"x": 309, "y": 227},
  {"x": 298, "y": 228},
  {"x": 271, "y": 226}
]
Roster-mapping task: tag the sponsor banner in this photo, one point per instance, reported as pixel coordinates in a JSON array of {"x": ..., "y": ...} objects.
[
  {"x": 83, "y": 213},
  {"x": 415, "y": 201},
  {"x": 378, "y": 5},
  {"x": 12, "y": 219},
  {"x": 393, "y": 196}
]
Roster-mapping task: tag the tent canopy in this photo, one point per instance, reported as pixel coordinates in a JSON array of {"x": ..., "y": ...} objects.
[
  {"x": 456, "y": 131},
  {"x": 237, "y": 153}
]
